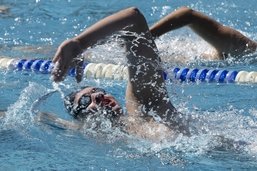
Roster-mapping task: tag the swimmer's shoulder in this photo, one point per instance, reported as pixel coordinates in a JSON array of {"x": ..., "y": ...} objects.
[{"x": 149, "y": 130}]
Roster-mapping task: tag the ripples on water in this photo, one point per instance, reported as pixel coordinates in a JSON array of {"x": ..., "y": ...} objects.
[{"x": 223, "y": 115}]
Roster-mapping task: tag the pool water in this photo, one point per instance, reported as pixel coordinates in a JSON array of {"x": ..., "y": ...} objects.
[{"x": 223, "y": 115}]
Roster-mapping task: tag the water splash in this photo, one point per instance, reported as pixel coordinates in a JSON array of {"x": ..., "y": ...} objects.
[{"x": 19, "y": 115}]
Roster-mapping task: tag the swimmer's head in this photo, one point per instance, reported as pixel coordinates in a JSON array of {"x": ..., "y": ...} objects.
[{"x": 90, "y": 100}]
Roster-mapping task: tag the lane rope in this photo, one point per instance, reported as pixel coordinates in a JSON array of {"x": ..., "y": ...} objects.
[{"x": 120, "y": 72}]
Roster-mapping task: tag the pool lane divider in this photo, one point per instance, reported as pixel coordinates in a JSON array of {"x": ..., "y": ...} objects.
[{"x": 119, "y": 72}]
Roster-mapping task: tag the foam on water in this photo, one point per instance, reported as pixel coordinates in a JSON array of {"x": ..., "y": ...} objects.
[
  {"x": 225, "y": 131},
  {"x": 20, "y": 115}
]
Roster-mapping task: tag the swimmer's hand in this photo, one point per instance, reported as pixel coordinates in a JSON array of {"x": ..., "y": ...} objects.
[{"x": 68, "y": 56}]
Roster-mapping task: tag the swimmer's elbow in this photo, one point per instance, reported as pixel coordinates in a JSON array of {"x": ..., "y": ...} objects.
[
  {"x": 136, "y": 17},
  {"x": 134, "y": 10},
  {"x": 185, "y": 10}
]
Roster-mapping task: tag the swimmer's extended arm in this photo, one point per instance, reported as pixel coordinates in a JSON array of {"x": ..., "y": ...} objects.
[
  {"x": 51, "y": 119},
  {"x": 224, "y": 39},
  {"x": 69, "y": 50},
  {"x": 146, "y": 85}
]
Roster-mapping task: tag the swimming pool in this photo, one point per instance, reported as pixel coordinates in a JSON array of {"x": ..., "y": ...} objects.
[{"x": 34, "y": 29}]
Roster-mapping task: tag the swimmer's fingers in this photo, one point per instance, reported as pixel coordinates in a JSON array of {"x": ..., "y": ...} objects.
[
  {"x": 60, "y": 67},
  {"x": 59, "y": 71},
  {"x": 57, "y": 55},
  {"x": 56, "y": 66},
  {"x": 65, "y": 59},
  {"x": 79, "y": 69}
]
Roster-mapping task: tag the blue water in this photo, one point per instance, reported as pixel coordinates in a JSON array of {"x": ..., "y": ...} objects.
[{"x": 34, "y": 29}]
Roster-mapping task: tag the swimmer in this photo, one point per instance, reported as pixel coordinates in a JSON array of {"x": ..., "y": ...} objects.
[
  {"x": 149, "y": 111},
  {"x": 147, "y": 102},
  {"x": 147, "y": 99},
  {"x": 226, "y": 41}
]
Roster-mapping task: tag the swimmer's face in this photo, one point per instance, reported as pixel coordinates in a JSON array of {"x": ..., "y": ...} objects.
[{"x": 92, "y": 99}]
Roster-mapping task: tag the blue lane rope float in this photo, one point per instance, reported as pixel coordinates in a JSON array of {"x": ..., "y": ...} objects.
[{"x": 111, "y": 71}]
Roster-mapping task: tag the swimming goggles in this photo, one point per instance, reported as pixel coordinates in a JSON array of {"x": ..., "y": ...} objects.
[{"x": 84, "y": 101}]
